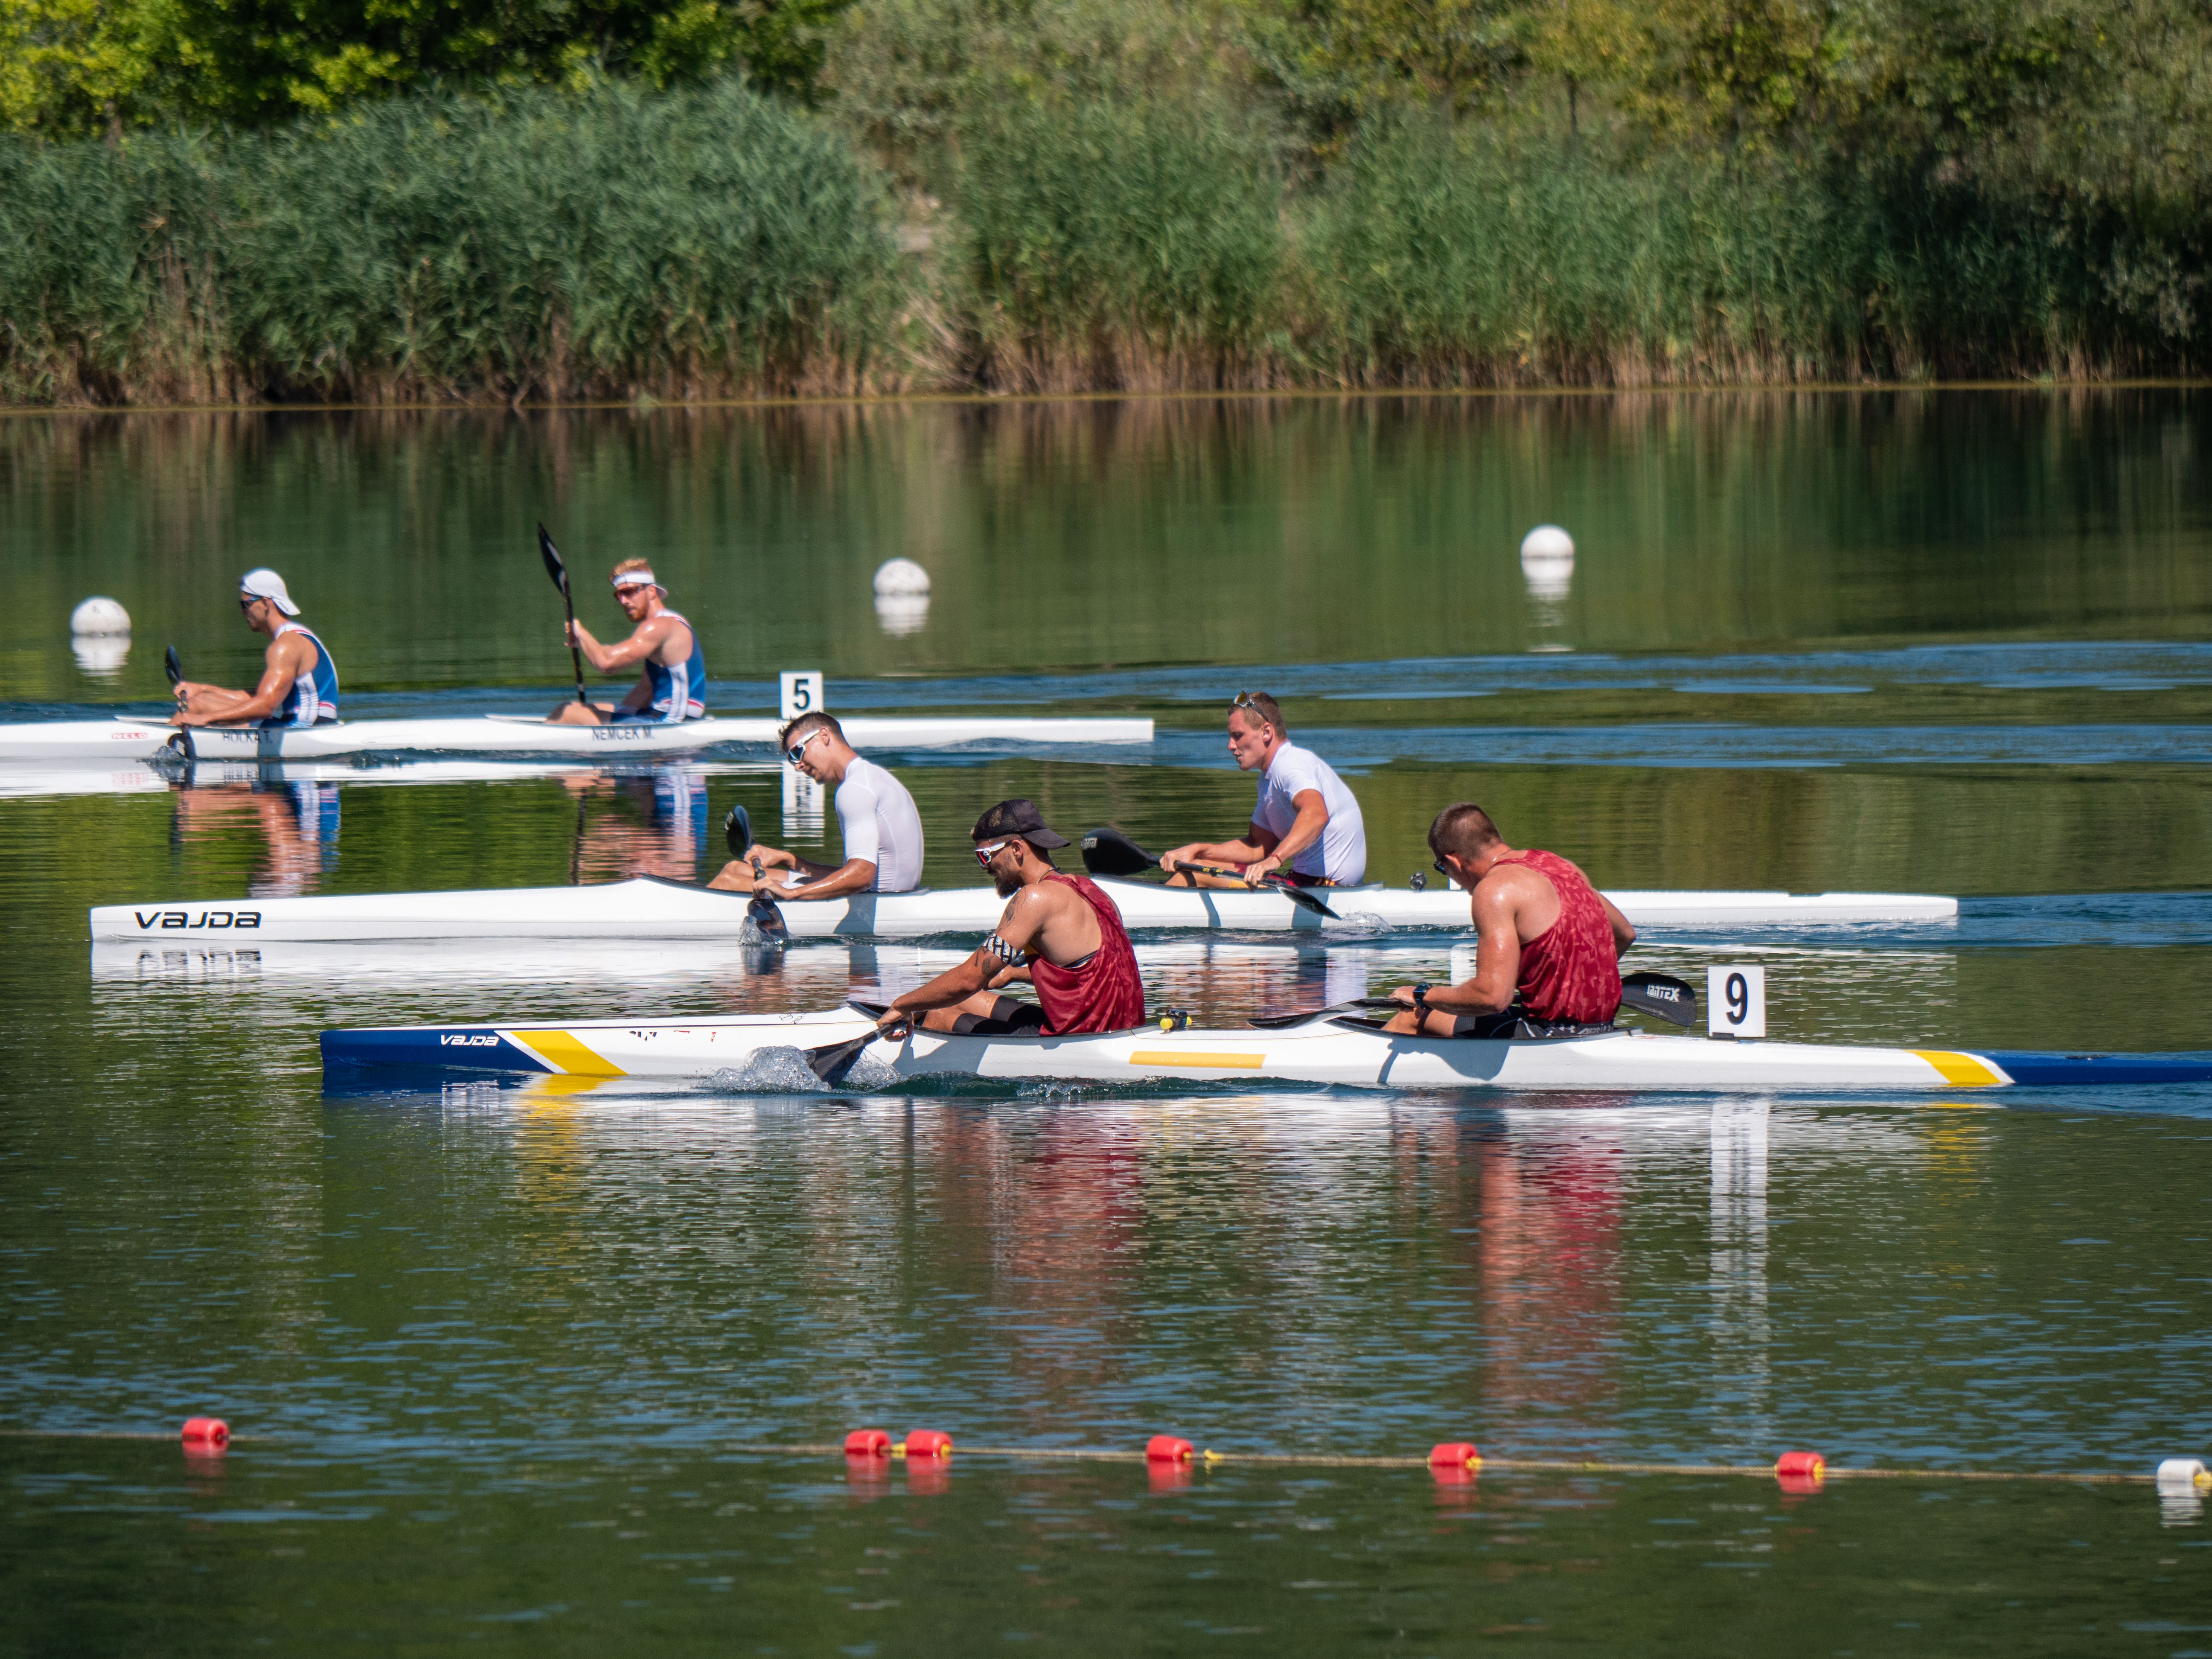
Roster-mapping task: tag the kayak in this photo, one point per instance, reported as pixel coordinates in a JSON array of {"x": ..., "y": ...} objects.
[
  {"x": 648, "y": 907},
  {"x": 761, "y": 1054},
  {"x": 129, "y": 739}
]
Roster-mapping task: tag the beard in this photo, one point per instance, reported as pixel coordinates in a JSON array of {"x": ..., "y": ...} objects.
[{"x": 1007, "y": 885}]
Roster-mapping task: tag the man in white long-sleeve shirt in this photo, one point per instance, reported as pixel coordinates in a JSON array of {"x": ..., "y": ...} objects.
[
  {"x": 1305, "y": 827},
  {"x": 878, "y": 827}
]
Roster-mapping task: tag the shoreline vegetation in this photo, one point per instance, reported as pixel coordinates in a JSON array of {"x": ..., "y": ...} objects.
[{"x": 940, "y": 197}]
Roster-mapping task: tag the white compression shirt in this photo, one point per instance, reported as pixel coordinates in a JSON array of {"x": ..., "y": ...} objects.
[
  {"x": 1340, "y": 853},
  {"x": 877, "y": 821}
]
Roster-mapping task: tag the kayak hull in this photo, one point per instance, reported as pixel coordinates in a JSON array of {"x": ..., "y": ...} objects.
[
  {"x": 500, "y": 734},
  {"x": 647, "y": 908},
  {"x": 737, "y": 1052}
]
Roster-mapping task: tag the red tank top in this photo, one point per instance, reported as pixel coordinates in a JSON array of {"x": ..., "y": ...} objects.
[
  {"x": 1570, "y": 970},
  {"x": 1104, "y": 994}
]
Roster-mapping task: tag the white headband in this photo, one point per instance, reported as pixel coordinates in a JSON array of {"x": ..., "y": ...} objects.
[{"x": 635, "y": 579}]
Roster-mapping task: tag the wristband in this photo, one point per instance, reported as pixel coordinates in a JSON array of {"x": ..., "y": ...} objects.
[{"x": 1421, "y": 996}]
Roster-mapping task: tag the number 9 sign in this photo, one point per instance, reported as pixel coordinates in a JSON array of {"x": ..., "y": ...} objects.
[{"x": 1736, "y": 1001}]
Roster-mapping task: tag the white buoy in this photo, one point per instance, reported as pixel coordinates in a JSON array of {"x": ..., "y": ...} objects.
[
  {"x": 900, "y": 577},
  {"x": 1547, "y": 561},
  {"x": 2183, "y": 1475},
  {"x": 98, "y": 617}
]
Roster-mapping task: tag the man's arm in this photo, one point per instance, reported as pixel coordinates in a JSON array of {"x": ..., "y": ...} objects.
[
  {"x": 1256, "y": 844},
  {"x": 1312, "y": 819},
  {"x": 650, "y": 635},
  {"x": 853, "y": 876},
  {"x": 287, "y": 659},
  {"x": 1624, "y": 930},
  {"x": 1496, "y": 958},
  {"x": 1009, "y": 947}
]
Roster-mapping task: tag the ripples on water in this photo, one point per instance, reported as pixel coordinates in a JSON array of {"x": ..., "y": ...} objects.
[{"x": 497, "y": 1351}]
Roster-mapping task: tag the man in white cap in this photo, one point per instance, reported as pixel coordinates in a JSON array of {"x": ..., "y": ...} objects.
[
  {"x": 299, "y": 684},
  {"x": 671, "y": 681}
]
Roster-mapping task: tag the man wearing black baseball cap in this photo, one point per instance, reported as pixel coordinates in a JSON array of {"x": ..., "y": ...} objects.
[{"x": 1060, "y": 933}]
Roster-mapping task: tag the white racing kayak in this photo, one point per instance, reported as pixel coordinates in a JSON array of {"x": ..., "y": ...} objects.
[
  {"x": 649, "y": 908},
  {"x": 130, "y": 739},
  {"x": 762, "y": 1053}
]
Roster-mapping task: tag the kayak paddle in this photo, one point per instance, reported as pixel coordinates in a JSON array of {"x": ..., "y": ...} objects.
[
  {"x": 1661, "y": 995},
  {"x": 1279, "y": 1021},
  {"x": 172, "y": 668},
  {"x": 559, "y": 572},
  {"x": 1290, "y": 890},
  {"x": 1108, "y": 852},
  {"x": 738, "y": 832},
  {"x": 831, "y": 1061}
]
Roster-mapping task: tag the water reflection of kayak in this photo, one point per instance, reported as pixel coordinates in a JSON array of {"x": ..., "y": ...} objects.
[
  {"x": 649, "y": 907},
  {"x": 126, "y": 739},
  {"x": 764, "y": 1054}
]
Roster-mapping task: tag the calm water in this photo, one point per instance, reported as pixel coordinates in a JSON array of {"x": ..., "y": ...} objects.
[{"x": 496, "y": 1355}]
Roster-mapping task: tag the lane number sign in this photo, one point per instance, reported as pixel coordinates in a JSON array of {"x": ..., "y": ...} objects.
[
  {"x": 1736, "y": 1001},
  {"x": 802, "y": 694}
]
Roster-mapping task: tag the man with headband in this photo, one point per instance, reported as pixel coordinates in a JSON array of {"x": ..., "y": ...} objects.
[
  {"x": 672, "y": 684},
  {"x": 1060, "y": 933},
  {"x": 299, "y": 685},
  {"x": 876, "y": 820}
]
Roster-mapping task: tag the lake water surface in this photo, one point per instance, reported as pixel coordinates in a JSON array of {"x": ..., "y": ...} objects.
[{"x": 502, "y": 1360}]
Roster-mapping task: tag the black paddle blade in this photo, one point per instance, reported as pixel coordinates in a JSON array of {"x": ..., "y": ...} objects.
[
  {"x": 1303, "y": 898},
  {"x": 554, "y": 567},
  {"x": 764, "y": 914},
  {"x": 738, "y": 831},
  {"x": 172, "y": 667},
  {"x": 1661, "y": 995},
  {"x": 1108, "y": 852},
  {"x": 831, "y": 1063}
]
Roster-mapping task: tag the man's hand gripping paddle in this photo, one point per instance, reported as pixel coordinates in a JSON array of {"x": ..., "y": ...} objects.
[
  {"x": 1108, "y": 852},
  {"x": 559, "y": 572},
  {"x": 738, "y": 831},
  {"x": 182, "y": 743}
]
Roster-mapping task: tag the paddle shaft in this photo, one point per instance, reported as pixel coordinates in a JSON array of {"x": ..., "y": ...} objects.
[
  {"x": 559, "y": 572},
  {"x": 1290, "y": 890}
]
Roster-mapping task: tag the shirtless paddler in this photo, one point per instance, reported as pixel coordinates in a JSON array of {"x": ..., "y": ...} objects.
[
  {"x": 671, "y": 681},
  {"x": 1548, "y": 944},
  {"x": 1058, "y": 933}
]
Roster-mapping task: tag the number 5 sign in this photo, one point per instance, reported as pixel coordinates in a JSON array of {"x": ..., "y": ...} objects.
[
  {"x": 1735, "y": 1002},
  {"x": 802, "y": 694}
]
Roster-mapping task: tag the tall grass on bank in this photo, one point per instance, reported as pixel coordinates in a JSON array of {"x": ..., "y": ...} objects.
[
  {"x": 1436, "y": 256},
  {"x": 1118, "y": 244},
  {"x": 540, "y": 246}
]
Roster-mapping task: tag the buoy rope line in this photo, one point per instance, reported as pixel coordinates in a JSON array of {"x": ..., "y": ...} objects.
[{"x": 1452, "y": 1460}]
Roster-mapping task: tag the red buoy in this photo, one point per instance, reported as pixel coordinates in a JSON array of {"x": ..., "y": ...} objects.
[
  {"x": 206, "y": 1434},
  {"x": 1455, "y": 1455},
  {"x": 1801, "y": 1466},
  {"x": 928, "y": 1443},
  {"x": 1166, "y": 1449},
  {"x": 867, "y": 1443}
]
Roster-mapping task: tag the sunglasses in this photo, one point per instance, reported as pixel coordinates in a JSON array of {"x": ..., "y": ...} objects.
[
  {"x": 247, "y": 603},
  {"x": 985, "y": 855},
  {"x": 798, "y": 749}
]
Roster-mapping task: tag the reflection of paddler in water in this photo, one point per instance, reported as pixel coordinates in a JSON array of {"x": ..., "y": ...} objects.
[
  {"x": 877, "y": 823},
  {"x": 672, "y": 682},
  {"x": 1547, "y": 945},
  {"x": 1058, "y": 933},
  {"x": 299, "y": 684},
  {"x": 673, "y": 805},
  {"x": 298, "y": 824}
]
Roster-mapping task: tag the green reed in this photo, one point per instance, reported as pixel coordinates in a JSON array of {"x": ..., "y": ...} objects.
[
  {"x": 534, "y": 246},
  {"x": 1119, "y": 243}
]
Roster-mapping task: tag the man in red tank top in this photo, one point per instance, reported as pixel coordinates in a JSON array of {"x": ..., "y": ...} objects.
[
  {"x": 1548, "y": 944},
  {"x": 1060, "y": 933}
]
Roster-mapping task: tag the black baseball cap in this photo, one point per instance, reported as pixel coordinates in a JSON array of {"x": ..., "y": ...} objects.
[{"x": 1016, "y": 818}]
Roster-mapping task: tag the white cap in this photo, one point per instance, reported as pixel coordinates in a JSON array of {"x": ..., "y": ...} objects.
[{"x": 266, "y": 584}]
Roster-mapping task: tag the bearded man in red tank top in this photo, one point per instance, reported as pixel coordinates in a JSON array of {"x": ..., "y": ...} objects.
[
  {"x": 1547, "y": 945},
  {"x": 1058, "y": 933}
]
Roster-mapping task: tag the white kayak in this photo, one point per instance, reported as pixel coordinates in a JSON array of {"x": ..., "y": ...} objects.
[
  {"x": 128, "y": 739},
  {"x": 759, "y": 1054},
  {"x": 647, "y": 907}
]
